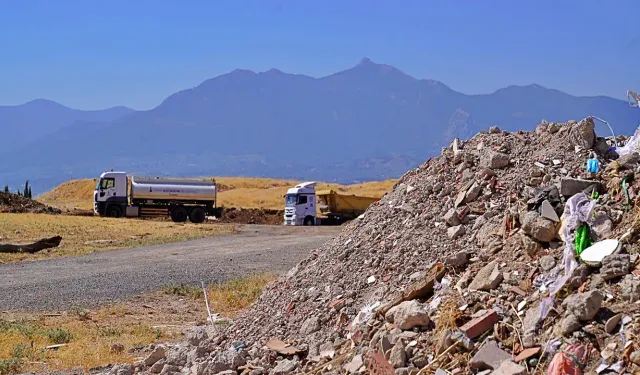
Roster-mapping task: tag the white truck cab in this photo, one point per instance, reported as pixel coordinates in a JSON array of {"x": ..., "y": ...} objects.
[
  {"x": 300, "y": 205},
  {"x": 110, "y": 195}
]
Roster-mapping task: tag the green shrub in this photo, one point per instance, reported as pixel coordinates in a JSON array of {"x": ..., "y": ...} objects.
[{"x": 58, "y": 335}]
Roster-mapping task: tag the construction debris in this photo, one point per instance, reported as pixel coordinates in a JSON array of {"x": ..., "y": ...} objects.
[
  {"x": 482, "y": 274},
  {"x": 252, "y": 216},
  {"x": 14, "y": 203}
]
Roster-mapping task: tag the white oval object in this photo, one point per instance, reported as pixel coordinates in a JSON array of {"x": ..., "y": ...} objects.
[{"x": 594, "y": 254}]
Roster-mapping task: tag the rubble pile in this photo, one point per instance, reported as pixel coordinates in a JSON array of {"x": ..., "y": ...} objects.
[
  {"x": 252, "y": 216},
  {"x": 502, "y": 255},
  {"x": 14, "y": 203}
]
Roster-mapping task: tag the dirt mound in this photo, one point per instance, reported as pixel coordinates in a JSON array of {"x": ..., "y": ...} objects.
[
  {"x": 13, "y": 203},
  {"x": 252, "y": 216},
  {"x": 462, "y": 267}
]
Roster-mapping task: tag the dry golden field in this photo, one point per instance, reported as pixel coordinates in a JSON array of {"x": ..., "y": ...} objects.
[
  {"x": 245, "y": 192},
  {"x": 87, "y": 234}
]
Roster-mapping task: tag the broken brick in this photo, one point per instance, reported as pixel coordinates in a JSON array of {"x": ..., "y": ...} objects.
[
  {"x": 518, "y": 291},
  {"x": 527, "y": 353},
  {"x": 290, "y": 306},
  {"x": 480, "y": 325},
  {"x": 337, "y": 304}
]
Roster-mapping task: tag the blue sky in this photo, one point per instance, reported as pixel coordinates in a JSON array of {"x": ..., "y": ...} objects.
[{"x": 97, "y": 54}]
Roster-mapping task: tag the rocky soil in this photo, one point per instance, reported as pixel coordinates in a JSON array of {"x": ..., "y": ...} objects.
[
  {"x": 13, "y": 203},
  {"x": 252, "y": 216},
  {"x": 468, "y": 266}
]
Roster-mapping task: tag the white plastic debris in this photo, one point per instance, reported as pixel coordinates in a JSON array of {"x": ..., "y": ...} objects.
[
  {"x": 594, "y": 254},
  {"x": 363, "y": 317},
  {"x": 371, "y": 279},
  {"x": 633, "y": 144},
  {"x": 522, "y": 305}
]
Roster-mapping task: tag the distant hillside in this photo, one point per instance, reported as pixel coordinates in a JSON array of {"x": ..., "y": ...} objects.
[
  {"x": 370, "y": 122},
  {"x": 232, "y": 192},
  {"x": 27, "y": 122}
]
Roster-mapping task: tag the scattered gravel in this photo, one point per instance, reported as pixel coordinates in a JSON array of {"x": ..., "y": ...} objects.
[{"x": 95, "y": 279}]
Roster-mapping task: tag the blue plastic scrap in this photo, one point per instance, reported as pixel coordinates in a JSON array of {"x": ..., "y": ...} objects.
[{"x": 593, "y": 165}]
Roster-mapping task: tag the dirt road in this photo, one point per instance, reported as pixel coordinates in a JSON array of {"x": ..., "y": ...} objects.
[{"x": 96, "y": 279}]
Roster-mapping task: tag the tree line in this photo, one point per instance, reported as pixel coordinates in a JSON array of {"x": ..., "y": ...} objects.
[{"x": 26, "y": 192}]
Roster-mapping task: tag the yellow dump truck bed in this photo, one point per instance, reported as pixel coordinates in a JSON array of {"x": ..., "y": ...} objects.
[{"x": 331, "y": 203}]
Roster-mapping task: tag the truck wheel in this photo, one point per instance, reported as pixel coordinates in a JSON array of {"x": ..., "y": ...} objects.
[
  {"x": 179, "y": 215},
  {"x": 114, "y": 211},
  {"x": 308, "y": 221},
  {"x": 197, "y": 215}
]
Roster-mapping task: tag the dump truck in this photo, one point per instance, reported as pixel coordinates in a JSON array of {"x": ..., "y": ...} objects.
[
  {"x": 193, "y": 199},
  {"x": 306, "y": 206}
]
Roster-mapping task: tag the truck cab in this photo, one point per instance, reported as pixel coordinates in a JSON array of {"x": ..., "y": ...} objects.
[
  {"x": 110, "y": 194},
  {"x": 300, "y": 205}
]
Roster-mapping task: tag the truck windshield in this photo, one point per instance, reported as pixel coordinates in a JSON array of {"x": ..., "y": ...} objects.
[
  {"x": 290, "y": 200},
  {"x": 106, "y": 183}
]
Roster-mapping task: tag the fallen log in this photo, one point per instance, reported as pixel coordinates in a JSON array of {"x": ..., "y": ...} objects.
[{"x": 34, "y": 247}]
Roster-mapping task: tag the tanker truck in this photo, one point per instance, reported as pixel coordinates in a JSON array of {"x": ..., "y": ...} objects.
[
  {"x": 306, "y": 206},
  {"x": 182, "y": 199}
]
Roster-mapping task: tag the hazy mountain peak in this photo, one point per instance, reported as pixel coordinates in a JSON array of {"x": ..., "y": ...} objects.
[
  {"x": 242, "y": 72},
  {"x": 274, "y": 71},
  {"x": 40, "y": 102},
  {"x": 244, "y": 122}
]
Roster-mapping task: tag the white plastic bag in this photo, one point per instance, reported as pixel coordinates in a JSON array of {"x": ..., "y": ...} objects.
[
  {"x": 577, "y": 211},
  {"x": 633, "y": 144}
]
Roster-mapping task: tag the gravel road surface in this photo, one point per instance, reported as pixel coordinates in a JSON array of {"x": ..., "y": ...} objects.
[{"x": 96, "y": 279}]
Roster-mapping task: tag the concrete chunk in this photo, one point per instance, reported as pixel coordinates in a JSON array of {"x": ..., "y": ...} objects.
[
  {"x": 488, "y": 278},
  {"x": 571, "y": 186},
  {"x": 408, "y": 315},
  {"x": 157, "y": 354},
  {"x": 615, "y": 265},
  {"x": 494, "y": 160},
  {"x": 451, "y": 218},
  {"x": 510, "y": 368},
  {"x": 584, "y": 306},
  {"x": 473, "y": 192},
  {"x": 455, "y": 232},
  {"x": 546, "y": 210},
  {"x": 355, "y": 364},
  {"x": 489, "y": 357}
]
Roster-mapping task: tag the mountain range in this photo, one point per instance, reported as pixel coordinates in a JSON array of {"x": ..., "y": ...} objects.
[{"x": 371, "y": 121}]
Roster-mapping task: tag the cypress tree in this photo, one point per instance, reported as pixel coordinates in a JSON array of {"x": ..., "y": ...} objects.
[
  {"x": 6, "y": 188},
  {"x": 26, "y": 189}
]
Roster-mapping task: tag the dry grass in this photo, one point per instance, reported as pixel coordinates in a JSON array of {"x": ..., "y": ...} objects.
[
  {"x": 448, "y": 314},
  {"x": 92, "y": 336},
  {"x": 233, "y": 192},
  {"x": 88, "y": 339},
  {"x": 78, "y": 231},
  {"x": 229, "y": 298}
]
